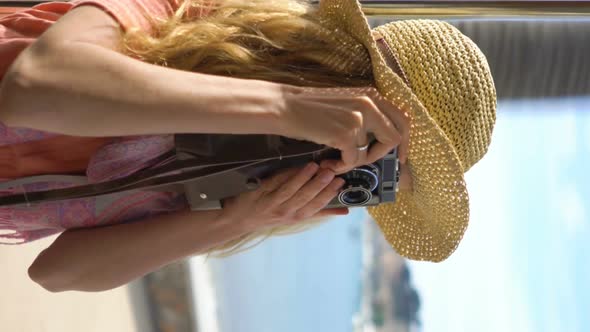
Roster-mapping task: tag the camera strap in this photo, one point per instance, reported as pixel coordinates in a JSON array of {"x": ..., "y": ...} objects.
[{"x": 207, "y": 170}]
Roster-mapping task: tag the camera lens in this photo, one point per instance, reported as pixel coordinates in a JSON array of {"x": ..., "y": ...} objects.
[
  {"x": 360, "y": 182},
  {"x": 354, "y": 196}
]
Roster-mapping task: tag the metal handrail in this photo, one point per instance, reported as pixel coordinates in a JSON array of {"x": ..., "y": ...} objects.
[
  {"x": 447, "y": 9},
  {"x": 475, "y": 9}
]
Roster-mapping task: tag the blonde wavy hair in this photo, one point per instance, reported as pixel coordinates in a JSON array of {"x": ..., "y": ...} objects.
[{"x": 282, "y": 41}]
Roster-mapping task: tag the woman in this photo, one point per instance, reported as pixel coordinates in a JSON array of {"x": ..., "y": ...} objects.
[{"x": 242, "y": 67}]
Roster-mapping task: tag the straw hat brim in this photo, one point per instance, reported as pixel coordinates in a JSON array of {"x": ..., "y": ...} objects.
[{"x": 428, "y": 222}]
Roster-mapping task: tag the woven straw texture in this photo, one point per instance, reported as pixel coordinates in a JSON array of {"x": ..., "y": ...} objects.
[{"x": 452, "y": 107}]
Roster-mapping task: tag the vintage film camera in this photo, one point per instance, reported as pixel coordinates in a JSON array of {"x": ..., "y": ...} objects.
[{"x": 210, "y": 167}]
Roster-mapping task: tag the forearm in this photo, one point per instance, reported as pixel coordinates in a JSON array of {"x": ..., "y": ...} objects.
[
  {"x": 83, "y": 89},
  {"x": 98, "y": 259}
]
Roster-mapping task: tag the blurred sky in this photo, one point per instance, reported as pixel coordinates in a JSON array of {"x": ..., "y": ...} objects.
[{"x": 524, "y": 263}]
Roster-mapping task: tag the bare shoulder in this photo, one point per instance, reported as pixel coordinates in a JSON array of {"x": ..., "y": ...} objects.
[{"x": 83, "y": 24}]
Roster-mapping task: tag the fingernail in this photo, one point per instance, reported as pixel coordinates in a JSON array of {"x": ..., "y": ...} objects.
[
  {"x": 338, "y": 183},
  {"x": 326, "y": 176},
  {"x": 311, "y": 167}
]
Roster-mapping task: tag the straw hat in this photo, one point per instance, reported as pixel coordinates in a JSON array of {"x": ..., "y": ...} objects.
[{"x": 451, "y": 100}]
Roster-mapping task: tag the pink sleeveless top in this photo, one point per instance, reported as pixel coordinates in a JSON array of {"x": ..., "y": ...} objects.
[{"x": 27, "y": 152}]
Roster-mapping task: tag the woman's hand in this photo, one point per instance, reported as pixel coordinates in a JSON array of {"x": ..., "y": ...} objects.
[
  {"x": 341, "y": 118},
  {"x": 286, "y": 198}
]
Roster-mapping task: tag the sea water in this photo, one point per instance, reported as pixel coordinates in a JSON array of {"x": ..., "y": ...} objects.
[{"x": 309, "y": 281}]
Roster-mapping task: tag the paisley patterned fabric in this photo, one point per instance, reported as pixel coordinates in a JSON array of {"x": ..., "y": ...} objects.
[{"x": 122, "y": 157}]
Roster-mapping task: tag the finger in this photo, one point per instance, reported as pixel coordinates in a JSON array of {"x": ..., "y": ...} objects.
[
  {"x": 321, "y": 200},
  {"x": 309, "y": 191},
  {"x": 397, "y": 118},
  {"x": 379, "y": 150},
  {"x": 270, "y": 184},
  {"x": 374, "y": 121},
  {"x": 402, "y": 124},
  {"x": 349, "y": 159},
  {"x": 374, "y": 108},
  {"x": 331, "y": 212},
  {"x": 362, "y": 157},
  {"x": 385, "y": 131},
  {"x": 401, "y": 121},
  {"x": 276, "y": 180},
  {"x": 367, "y": 140},
  {"x": 354, "y": 156},
  {"x": 287, "y": 189},
  {"x": 340, "y": 166}
]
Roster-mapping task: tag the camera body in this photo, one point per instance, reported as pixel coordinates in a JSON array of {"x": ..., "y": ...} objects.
[{"x": 264, "y": 155}]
